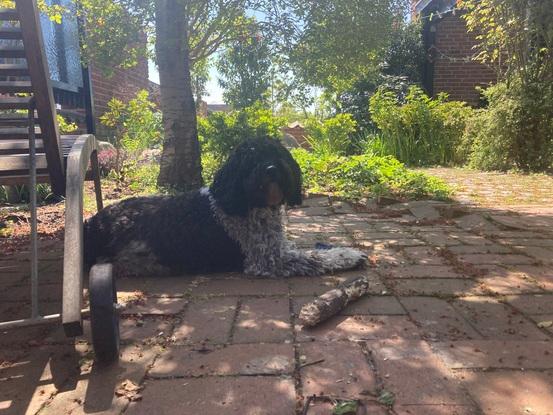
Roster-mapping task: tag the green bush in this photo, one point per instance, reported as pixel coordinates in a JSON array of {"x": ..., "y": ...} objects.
[
  {"x": 515, "y": 131},
  {"x": 331, "y": 136},
  {"x": 365, "y": 175},
  {"x": 220, "y": 133},
  {"x": 422, "y": 131},
  {"x": 137, "y": 126}
]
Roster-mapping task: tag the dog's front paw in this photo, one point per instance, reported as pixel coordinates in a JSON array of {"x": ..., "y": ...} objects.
[{"x": 341, "y": 259}]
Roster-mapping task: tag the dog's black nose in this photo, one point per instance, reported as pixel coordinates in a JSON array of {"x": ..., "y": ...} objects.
[{"x": 271, "y": 171}]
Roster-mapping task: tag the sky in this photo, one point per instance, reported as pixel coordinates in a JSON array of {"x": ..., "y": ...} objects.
[{"x": 213, "y": 89}]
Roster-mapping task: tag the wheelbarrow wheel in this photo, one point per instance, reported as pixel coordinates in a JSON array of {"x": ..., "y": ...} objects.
[{"x": 104, "y": 317}]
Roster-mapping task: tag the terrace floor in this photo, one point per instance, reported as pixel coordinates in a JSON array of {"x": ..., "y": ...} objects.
[{"x": 459, "y": 321}]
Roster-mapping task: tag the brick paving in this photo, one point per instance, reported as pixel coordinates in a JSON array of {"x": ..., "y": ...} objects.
[{"x": 458, "y": 321}]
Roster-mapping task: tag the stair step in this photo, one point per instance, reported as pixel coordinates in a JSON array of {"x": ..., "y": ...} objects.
[
  {"x": 15, "y": 103},
  {"x": 9, "y": 14},
  {"x": 12, "y": 87},
  {"x": 14, "y": 69},
  {"x": 12, "y": 52},
  {"x": 10, "y": 33},
  {"x": 14, "y": 133},
  {"x": 20, "y": 162},
  {"x": 19, "y": 146}
]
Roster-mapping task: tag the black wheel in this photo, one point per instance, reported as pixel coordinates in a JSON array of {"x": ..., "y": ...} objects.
[{"x": 104, "y": 317}]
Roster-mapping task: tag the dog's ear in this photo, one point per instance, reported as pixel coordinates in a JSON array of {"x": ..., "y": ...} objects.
[
  {"x": 228, "y": 184},
  {"x": 293, "y": 188}
]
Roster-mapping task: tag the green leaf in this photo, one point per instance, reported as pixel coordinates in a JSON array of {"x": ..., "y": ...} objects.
[
  {"x": 387, "y": 398},
  {"x": 345, "y": 408}
]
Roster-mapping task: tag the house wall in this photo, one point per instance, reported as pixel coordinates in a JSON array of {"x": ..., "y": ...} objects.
[
  {"x": 453, "y": 44},
  {"x": 122, "y": 84}
]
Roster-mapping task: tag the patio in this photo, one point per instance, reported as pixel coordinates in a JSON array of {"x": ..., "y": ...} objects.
[{"x": 459, "y": 322}]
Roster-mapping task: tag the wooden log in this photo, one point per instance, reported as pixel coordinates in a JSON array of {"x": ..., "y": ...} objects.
[{"x": 332, "y": 302}]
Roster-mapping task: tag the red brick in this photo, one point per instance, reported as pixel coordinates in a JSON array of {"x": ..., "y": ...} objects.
[
  {"x": 506, "y": 392},
  {"x": 248, "y": 395},
  {"x": 360, "y": 328},
  {"x": 263, "y": 320},
  {"x": 344, "y": 371},
  {"x": 496, "y": 354},
  {"x": 437, "y": 319},
  {"x": 243, "y": 359},
  {"x": 207, "y": 320},
  {"x": 415, "y": 375}
]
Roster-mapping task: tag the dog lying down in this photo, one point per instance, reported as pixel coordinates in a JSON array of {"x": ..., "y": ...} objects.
[{"x": 235, "y": 225}]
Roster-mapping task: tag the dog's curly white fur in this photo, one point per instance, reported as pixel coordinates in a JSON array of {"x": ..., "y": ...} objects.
[{"x": 236, "y": 225}]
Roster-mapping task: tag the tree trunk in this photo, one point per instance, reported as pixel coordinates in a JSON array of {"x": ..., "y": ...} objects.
[{"x": 181, "y": 167}]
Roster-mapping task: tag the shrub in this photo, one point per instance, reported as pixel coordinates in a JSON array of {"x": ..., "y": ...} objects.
[
  {"x": 331, "y": 136},
  {"x": 220, "y": 133},
  {"x": 107, "y": 161},
  {"x": 515, "y": 131},
  {"x": 365, "y": 175},
  {"x": 137, "y": 126},
  {"x": 422, "y": 131}
]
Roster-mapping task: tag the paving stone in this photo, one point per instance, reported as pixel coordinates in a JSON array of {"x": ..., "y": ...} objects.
[
  {"x": 425, "y": 212},
  {"x": 381, "y": 236},
  {"x": 479, "y": 249},
  {"x": 532, "y": 304},
  {"x": 249, "y": 395},
  {"x": 344, "y": 371},
  {"x": 423, "y": 271},
  {"x": 326, "y": 408},
  {"x": 495, "y": 354},
  {"x": 496, "y": 259},
  {"x": 314, "y": 286},
  {"x": 520, "y": 240},
  {"x": 243, "y": 359},
  {"x": 423, "y": 255},
  {"x": 499, "y": 280},
  {"x": 385, "y": 256},
  {"x": 156, "y": 306},
  {"x": 523, "y": 223},
  {"x": 357, "y": 328},
  {"x": 435, "y": 410},
  {"x": 437, "y": 319},
  {"x": 310, "y": 211},
  {"x": 374, "y": 305},
  {"x": 440, "y": 239},
  {"x": 544, "y": 255},
  {"x": 159, "y": 286},
  {"x": 241, "y": 286},
  {"x": 447, "y": 287},
  {"x": 400, "y": 362},
  {"x": 497, "y": 321},
  {"x": 542, "y": 275},
  {"x": 506, "y": 392},
  {"x": 208, "y": 320},
  {"x": 33, "y": 376},
  {"x": 476, "y": 222},
  {"x": 263, "y": 320},
  {"x": 94, "y": 390},
  {"x": 544, "y": 321}
]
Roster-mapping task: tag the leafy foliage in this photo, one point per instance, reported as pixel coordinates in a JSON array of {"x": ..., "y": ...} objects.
[
  {"x": 339, "y": 41},
  {"x": 515, "y": 131},
  {"x": 137, "y": 126},
  {"x": 422, "y": 131},
  {"x": 514, "y": 35},
  {"x": 400, "y": 66},
  {"x": 366, "y": 175},
  {"x": 221, "y": 132},
  {"x": 331, "y": 136},
  {"x": 245, "y": 68}
]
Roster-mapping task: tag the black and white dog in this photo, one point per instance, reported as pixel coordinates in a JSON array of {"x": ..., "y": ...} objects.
[{"x": 235, "y": 225}]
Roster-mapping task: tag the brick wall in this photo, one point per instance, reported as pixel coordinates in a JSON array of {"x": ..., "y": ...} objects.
[
  {"x": 459, "y": 79},
  {"x": 122, "y": 84}
]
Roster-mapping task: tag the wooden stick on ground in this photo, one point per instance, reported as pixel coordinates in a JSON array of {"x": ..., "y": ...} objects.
[{"x": 331, "y": 302}]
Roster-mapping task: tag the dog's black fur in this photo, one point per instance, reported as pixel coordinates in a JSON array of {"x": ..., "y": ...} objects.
[{"x": 180, "y": 234}]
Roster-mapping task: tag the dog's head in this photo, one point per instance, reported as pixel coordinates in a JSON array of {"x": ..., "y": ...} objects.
[{"x": 259, "y": 173}]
